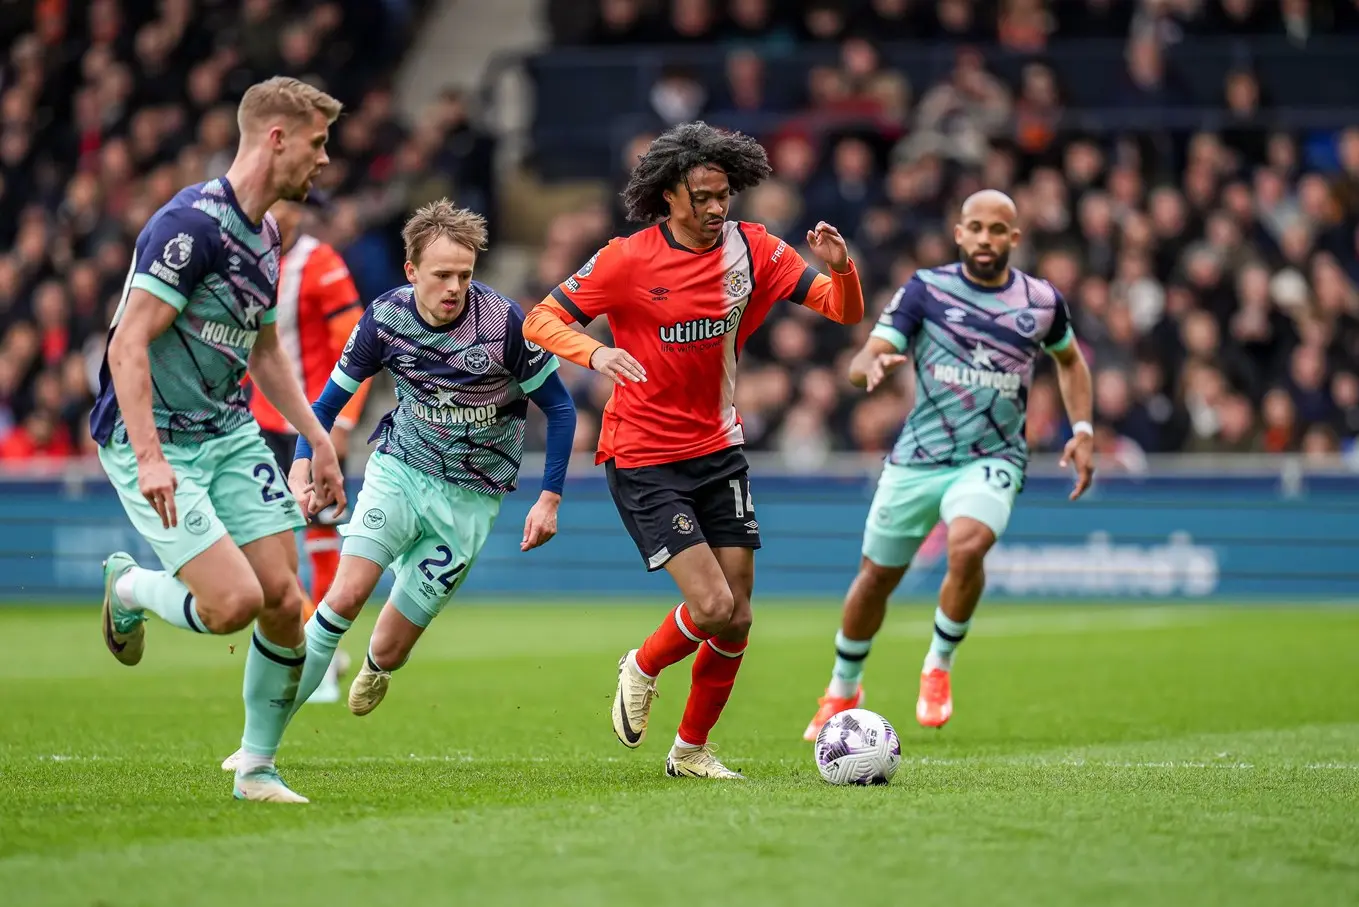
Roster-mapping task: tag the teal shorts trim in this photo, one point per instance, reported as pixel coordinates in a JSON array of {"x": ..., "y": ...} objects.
[
  {"x": 911, "y": 500},
  {"x": 428, "y": 531},
  {"x": 227, "y": 486}
]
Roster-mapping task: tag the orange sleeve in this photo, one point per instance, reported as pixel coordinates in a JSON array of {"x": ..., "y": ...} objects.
[
  {"x": 788, "y": 276},
  {"x": 548, "y": 324},
  {"x": 839, "y": 296},
  {"x": 338, "y": 302},
  {"x": 592, "y": 290}
]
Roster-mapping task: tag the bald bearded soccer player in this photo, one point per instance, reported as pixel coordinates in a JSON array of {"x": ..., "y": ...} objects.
[{"x": 973, "y": 331}]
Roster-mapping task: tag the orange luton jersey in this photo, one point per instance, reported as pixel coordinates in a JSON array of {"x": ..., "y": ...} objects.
[{"x": 685, "y": 316}]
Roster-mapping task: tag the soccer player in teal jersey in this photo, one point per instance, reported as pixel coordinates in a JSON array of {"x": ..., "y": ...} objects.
[
  {"x": 446, "y": 455},
  {"x": 175, "y": 432},
  {"x": 973, "y": 331}
]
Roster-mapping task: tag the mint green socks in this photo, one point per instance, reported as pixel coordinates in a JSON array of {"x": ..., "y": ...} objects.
[
  {"x": 139, "y": 589},
  {"x": 324, "y": 632},
  {"x": 849, "y": 665},
  {"x": 272, "y": 677}
]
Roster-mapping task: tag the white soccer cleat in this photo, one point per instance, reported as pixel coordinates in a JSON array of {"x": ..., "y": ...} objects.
[
  {"x": 265, "y": 786},
  {"x": 230, "y": 763},
  {"x": 368, "y": 688},
  {"x": 632, "y": 702},
  {"x": 698, "y": 762},
  {"x": 329, "y": 688}
]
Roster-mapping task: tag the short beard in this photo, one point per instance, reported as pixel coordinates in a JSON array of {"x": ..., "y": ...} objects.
[{"x": 990, "y": 271}]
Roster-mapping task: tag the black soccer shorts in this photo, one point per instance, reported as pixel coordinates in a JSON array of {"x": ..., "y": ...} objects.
[{"x": 673, "y": 506}]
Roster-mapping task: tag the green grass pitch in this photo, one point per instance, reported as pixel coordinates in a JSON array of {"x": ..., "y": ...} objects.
[{"x": 1102, "y": 755}]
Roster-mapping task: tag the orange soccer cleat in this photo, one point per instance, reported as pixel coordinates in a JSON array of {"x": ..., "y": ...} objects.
[
  {"x": 935, "y": 705},
  {"x": 828, "y": 706}
]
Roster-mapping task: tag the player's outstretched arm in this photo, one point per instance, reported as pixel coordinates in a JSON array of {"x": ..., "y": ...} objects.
[
  {"x": 554, "y": 400},
  {"x": 142, "y": 320},
  {"x": 872, "y": 364},
  {"x": 1073, "y": 377},
  {"x": 839, "y": 297},
  {"x": 548, "y": 325},
  {"x": 272, "y": 372}
]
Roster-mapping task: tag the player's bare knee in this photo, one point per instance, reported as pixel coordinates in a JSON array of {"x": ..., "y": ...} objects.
[
  {"x": 878, "y": 582},
  {"x": 232, "y": 607},
  {"x": 967, "y": 552},
  {"x": 390, "y": 650},
  {"x": 283, "y": 599},
  {"x": 346, "y": 598},
  {"x": 713, "y": 610},
  {"x": 739, "y": 626}
]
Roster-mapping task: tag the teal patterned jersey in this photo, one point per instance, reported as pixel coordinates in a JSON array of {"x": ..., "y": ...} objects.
[
  {"x": 461, "y": 388},
  {"x": 203, "y": 256},
  {"x": 973, "y": 350}
]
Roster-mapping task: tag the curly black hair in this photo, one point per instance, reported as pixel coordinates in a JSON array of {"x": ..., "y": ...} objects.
[{"x": 677, "y": 151}]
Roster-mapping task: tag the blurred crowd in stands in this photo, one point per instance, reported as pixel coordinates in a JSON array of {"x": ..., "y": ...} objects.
[
  {"x": 1212, "y": 282},
  {"x": 1212, "y": 275},
  {"x": 108, "y": 107}
]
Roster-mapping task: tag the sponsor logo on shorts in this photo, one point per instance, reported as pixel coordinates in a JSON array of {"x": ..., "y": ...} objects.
[
  {"x": 752, "y": 527},
  {"x": 374, "y": 519},
  {"x": 883, "y": 515},
  {"x": 427, "y": 589},
  {"x": 197, "y": 522},
  {"x": 682, "y": 524}
]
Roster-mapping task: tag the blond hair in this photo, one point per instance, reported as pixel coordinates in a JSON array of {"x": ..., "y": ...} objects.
[
  {"x": 287, "y": 97},
  {"x": 442, "y": 219}
]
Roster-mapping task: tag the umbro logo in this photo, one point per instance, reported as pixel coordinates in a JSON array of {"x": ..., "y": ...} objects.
[
  {"x": 659, "y": 294},
  {"x": 955, "y": 316},
  {"x": 406, "y": 360}
]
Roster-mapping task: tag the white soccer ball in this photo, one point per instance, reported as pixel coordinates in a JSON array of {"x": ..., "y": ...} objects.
[{"x": 858, "y": 747}]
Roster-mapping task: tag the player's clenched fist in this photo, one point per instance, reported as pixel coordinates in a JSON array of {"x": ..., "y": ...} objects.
[
  {"x": 157, "y": 483},
  {"x": 617, "y": 364}
]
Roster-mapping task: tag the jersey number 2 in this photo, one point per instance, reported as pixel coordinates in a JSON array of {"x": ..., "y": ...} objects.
[
  {"x": 741, "y": 505},
  {"x": 445, "y": 558},
  {"x": 266, "y": 474}
]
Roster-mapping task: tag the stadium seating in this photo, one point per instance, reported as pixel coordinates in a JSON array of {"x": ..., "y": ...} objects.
[{"x": 1169, "y": 166}]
